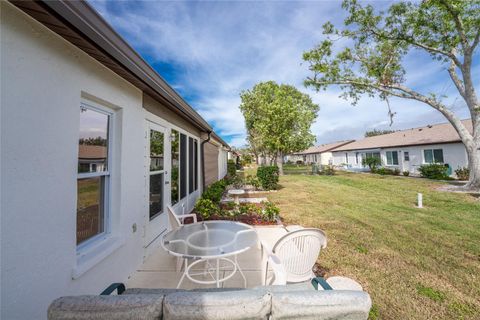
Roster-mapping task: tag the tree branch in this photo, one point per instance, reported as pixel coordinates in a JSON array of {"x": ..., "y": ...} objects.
[
  {"x": 458, "y": 24},
  {"x": 412, "y": 41},
  {"x": 407, "y": 93},
  {"x": 456, "y": 80}
]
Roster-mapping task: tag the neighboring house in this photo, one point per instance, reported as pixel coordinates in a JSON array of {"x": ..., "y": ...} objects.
[
  {"x": 408, "y": 149},
  {"x": 95, "y": 145},
  {"x": 321, "y": 154}
]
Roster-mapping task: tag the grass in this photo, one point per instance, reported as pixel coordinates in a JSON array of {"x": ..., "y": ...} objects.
[{"x": 415, "y": 263}]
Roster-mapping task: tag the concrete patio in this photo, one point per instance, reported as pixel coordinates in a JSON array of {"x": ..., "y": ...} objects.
[{"x": 159, "y": 269}]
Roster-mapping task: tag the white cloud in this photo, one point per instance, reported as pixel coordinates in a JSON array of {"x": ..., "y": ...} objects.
[{"x": 218, "y": 49}]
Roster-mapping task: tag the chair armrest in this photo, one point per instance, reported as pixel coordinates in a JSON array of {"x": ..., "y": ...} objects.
[
  {"x": 277, "y": 266},
  {"x": 322, "y": 282},
  {"x": 278, "y": 270},
  {"x": 120, "y": 287},
  {"x": 190, "y": 215}
]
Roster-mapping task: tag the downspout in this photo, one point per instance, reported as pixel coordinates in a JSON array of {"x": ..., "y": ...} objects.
[{"x": 202, "y": 159}]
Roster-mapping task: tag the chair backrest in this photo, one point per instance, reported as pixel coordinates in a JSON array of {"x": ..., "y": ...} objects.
[
  {"x": 173, "y": 219},
  {"x": 298, "y": 251}
]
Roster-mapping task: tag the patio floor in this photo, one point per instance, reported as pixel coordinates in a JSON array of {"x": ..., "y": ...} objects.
[{"x": 159, "y": 269}]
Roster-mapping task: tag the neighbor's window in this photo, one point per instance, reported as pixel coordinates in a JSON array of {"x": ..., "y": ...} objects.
[
  {"x": 346, "y": 157},
  {"x": 406, "y": 156},
  {"x": 433, "y": 155},
  {"x": 93, "y": 173},
  {"x": 392, "y": 158}
]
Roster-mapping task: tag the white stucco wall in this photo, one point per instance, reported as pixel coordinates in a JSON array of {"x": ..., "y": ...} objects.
[{"x": 43, "y": 81}]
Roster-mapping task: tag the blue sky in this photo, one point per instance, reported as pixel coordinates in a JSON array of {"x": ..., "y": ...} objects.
[{"x": 211, "y": 51}]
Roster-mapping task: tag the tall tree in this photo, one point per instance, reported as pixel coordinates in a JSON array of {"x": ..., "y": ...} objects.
[
  {"x": 377, "y": 132},
  {"x": 372, "y": 63},
  {"x": 279, "y": 118}
]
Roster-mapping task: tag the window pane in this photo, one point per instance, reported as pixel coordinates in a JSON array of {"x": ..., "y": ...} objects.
[
  {"x": 389, "y": 157},
  {"x": 190, "y": 165},
  {"x": 438, "y": 155},
  {"x": 428, "y": 154},
  {"x": 195, "y": 160},
  {"x": 406, "y": 156},
  {"x": 156, "y": 150},
  {"x": 175, "y": 165},
  {"x": 90, "y": 208},
  {"x": 92, "y": 144},
  {"x": 395, "y": 158},
  {"x": 156, "y": 194},
  {"x": 183, "y": 165}
]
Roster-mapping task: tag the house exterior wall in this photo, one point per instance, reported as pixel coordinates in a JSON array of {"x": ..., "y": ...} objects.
[
  {"x": 211, "y": 153},
  {"x": 454, "y": 155},
  {"x": 48, "y": 78}
]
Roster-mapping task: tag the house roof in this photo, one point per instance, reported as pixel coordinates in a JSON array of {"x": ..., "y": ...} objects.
[
  {"x": 432, "y": 134},
  {"x": 81, "y": 25},
  {"x": 324, "y": 147},
  {"x": 92, "y": 152}
]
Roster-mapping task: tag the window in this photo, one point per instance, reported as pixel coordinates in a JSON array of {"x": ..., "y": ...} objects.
[
  {"x": 406, "y": 156},
  {"x": 392, "y": 158},
  {"x": 93, "y": 178},
  {"x": 433, "y": 155},
  {"x": 356, "y": 157},
  {"x": 156, "y": 173},
  {"x": 183, "y": 166},
  {"x": 346, "y": 157},
  {"x": 175, "y": 166},
  {"x": 192, "y": 165}
]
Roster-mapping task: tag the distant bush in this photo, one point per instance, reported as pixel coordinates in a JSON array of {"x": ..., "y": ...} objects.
[
  {"x": 396, "y": 172},
  {"x": 299, "y": 162},
  {"x": 327, "y": 170},
  {"x": 385, "y": 171},
  {"x": 231, "y": 168},
  {"x": 462, "y": 173},
  {"x": 434, "y": 171},
  {"x": 206, "y": 208},
  {"x": 372, "y": 163},
  {"x": 406, "y": 173},
  {"x": 268, "y": 176}
]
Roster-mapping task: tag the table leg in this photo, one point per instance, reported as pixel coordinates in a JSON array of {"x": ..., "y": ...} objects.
[
  {"x": 218, "y": 273},
  {"x": 184, "y": 274},
  {"x": 241, "y": 272}
]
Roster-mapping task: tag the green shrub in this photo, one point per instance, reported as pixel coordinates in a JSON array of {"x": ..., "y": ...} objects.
[
  {"x": 206, "y": 208},
  {"x": 249, "y": 208},
  {"x": 270, "y": 211},
  {"x": 253, "y": 181},
  {"x": 406, "y": 173},
  {"x": 328, "y": 170},
  {"x": 462, "y": 173},
  {"x": 268, "y": 176},
  {"x": 434, "y": 171},
  {"x": 215, "y": 191},
  {"x": 385, "y": 171},
  {"x": 231, "y": 168},
  {"x": 372, "y": 163}
]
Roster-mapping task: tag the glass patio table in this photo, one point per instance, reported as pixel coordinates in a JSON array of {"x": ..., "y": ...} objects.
[{"x": 208, "y": 241}]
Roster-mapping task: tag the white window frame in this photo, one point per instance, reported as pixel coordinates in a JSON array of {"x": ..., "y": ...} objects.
[
  {"x": 107, "y": 227},
  {"x": 386, "y": 158},
  {"x": 433, "y": 156}
]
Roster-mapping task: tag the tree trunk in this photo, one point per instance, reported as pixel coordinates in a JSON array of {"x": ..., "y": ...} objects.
[
  {"x": 473, "y": 152},
  {"x": 280, "y": 162},
  {"x": 256, "y": 159}
]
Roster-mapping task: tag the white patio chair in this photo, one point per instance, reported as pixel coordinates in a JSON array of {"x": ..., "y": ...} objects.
[
  {"x": 176, "y": 222},
  {"x": 294, "y": 255}
]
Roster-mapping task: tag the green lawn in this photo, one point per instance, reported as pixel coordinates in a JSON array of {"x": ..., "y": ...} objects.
[{"x": 415, "y": 263}]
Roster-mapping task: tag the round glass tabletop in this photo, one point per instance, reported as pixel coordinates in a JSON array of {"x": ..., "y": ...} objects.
[{"x": 210, "y": 239}]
